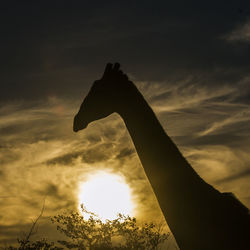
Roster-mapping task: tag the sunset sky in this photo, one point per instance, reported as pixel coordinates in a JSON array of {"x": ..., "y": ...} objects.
[{"x": 191, "y": 61}]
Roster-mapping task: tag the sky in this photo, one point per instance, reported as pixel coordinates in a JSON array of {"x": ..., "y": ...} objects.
[{"x": 191, "y": 61}]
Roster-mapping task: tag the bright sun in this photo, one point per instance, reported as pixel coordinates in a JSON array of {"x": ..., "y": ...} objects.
[{"x": 106, "y": 195}]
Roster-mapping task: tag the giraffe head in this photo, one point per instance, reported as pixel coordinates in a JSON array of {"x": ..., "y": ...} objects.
[{"x": 103, "y": 98}]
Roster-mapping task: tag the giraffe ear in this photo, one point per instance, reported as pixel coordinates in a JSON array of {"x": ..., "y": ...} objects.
[
  {"x": 117, "y": 67},
  {"x": 107, "y": 70}
]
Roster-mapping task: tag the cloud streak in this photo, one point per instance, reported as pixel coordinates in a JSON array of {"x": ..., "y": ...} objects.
[{"x": 240, "y": 34}]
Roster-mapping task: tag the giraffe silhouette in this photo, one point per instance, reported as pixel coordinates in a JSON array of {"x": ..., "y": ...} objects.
[{"x": 199, "y": 216}]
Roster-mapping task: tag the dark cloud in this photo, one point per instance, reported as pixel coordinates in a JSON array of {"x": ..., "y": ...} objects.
[
  {"x": 52, "y": 190},
  {"x": 1, "y": 174},
  {"x": 242, "y": 174},
  {"x": 59, "y": 48},
  {"x": 93, "y": 138},
  {"x": 125, "y": 152},
  {"x": 32, "y": 203},
  {"x": 244, "y": 96},
  {"x": 65, "y": 159},
  {"x": 98, "y": 154},
  {"x": 10, "y": 233},
  {"x": 8, "y": 156},
  {"x": 228, "y": 139},
  {"x": 92, "y": 155},
  {"x": 57, "y": 197}
]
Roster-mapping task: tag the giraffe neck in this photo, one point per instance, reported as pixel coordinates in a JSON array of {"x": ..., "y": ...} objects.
[
  {"x": 161, "y": 159},
  {"x": 179, "y": 189}
]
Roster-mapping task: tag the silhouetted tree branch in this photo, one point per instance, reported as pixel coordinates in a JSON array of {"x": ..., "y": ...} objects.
[{"x": 120, "y": 233}]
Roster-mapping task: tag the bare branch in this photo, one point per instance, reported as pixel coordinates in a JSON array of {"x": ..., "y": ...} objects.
[{"x": 31, "y": 231}]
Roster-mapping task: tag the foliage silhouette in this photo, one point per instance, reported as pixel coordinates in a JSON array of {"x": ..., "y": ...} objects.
[
  {"x": 42, "y": 244},
  {"x": 26, "y": 244},
  {"x": 121, "y": 233}
]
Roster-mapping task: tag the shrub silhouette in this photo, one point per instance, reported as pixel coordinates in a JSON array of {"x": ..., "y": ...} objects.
[
  {"x": 121, "y": 233},
  {"x": 37, "y": 245}
]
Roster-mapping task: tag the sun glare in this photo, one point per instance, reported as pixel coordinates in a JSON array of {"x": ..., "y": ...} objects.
[{"x": 106, "y": 195}]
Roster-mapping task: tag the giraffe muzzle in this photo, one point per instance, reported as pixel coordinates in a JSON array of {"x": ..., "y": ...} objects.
[{"x": 79, "y": 123}]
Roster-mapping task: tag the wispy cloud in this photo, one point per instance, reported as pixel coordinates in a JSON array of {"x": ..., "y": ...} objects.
[
  {"x": 41, "y": 158},
  {"x": 210, "y": 124},
  {"x": 240, "y": 33}
]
